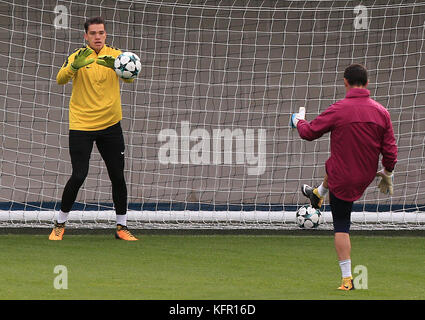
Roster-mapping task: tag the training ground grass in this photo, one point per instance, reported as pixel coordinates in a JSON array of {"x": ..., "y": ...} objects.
[{"x": 207, "y": 267}]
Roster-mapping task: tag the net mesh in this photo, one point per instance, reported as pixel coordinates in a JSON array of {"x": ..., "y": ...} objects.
[{"x": 206, "y": 123}]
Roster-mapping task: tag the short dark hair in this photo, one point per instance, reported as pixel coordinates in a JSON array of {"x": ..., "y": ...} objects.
[
  {"x": 356, "y": 75},
  {"x": 94, "y": 20}
]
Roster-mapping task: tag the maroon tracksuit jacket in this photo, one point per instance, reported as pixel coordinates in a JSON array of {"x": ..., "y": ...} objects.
[{"x": 361, "y": 130}]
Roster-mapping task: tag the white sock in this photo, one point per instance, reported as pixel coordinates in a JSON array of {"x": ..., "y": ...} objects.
[
  {"x": 122, "y": 219},
  {"x": 322, "y": 190},
  {"x": 345, "y": 266},
  {"x": 62, "y": 217}
]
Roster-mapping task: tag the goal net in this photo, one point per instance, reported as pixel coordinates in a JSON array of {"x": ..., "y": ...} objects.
[{"x": 206, "y": 124}]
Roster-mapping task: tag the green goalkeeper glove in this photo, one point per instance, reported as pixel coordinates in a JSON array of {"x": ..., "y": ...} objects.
[
  {"x": 81, "y": 60},
  {"x": 386, "y": 183},
  {"x": 107, "y": 61}
]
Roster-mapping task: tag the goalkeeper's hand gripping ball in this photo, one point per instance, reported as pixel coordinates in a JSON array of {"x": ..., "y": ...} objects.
[{"x": 106, "y": 61}]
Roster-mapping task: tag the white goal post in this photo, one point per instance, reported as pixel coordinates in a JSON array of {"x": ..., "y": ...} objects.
[{"x": 206, "y": 123}]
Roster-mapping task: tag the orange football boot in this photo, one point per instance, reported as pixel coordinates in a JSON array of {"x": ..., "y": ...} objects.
[
  {"x": 124, "y": 234},
  {"x": 57, "y": 232},
  {"x": 347, "y": 284}
]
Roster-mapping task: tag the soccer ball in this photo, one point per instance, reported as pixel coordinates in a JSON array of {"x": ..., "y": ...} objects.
[
  {"x": 308, "y": 217},
  {"x": 127, "y": 65}
]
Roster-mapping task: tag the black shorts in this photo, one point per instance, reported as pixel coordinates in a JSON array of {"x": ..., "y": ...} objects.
[
  {"x": 109, "y": 142},
  {"x": 341, "y": 213}
]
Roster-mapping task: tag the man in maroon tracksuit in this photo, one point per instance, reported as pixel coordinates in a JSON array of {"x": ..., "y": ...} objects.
[{"x": 361, "y": 130}]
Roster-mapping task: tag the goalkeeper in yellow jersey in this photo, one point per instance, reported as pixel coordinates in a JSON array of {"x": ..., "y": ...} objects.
[{"x": 94, "y": 116}]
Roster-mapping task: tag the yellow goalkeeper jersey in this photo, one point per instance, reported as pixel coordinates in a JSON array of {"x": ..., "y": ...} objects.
[{"x": 95, "y": 100}]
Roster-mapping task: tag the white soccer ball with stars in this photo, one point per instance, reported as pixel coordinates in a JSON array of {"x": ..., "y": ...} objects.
[
  {"x": 127, "y": 65},
  {"x": 308, "y": 217}
]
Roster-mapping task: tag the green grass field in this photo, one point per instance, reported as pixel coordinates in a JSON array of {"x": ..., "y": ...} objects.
[{"x": 207, "y": 267}]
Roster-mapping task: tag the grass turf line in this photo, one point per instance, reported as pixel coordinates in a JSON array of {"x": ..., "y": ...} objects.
[{"x": 225, "y": 267}]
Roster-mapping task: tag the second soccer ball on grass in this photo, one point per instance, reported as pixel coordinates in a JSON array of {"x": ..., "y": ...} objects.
[{"x": 308, "y": 217}]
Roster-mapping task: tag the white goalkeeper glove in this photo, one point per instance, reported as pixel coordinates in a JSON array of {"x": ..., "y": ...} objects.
[
  {"x": 386, "y": 183},
  {"x": 297, "y": 117}
]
